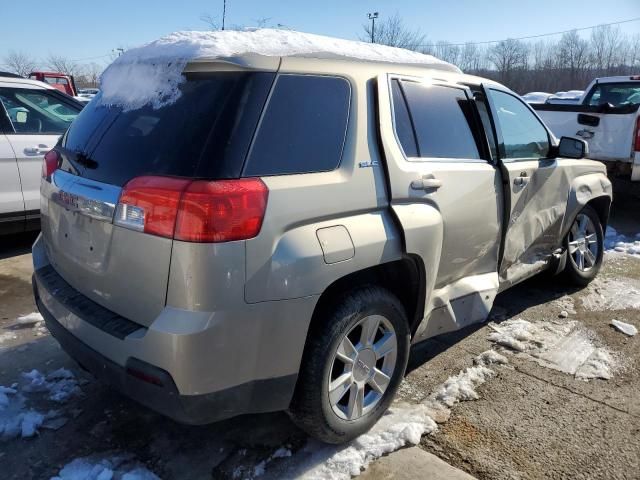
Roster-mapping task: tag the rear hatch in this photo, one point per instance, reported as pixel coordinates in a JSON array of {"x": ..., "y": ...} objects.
[{"x": 204, "y": 134}]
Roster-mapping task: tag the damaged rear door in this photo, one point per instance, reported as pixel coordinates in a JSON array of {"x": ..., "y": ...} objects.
[{"x": 535, "y": 187}]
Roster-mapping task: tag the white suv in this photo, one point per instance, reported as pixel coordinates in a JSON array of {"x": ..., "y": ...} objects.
[{"x": 33, "y": 115}]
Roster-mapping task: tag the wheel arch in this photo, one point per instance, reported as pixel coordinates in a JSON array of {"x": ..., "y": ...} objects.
[
  {"x": 405, "y": 278},
  {"x": 594, "y": 190}
]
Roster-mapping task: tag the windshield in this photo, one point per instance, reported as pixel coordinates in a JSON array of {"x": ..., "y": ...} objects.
[{"x": 616, "y": 94}]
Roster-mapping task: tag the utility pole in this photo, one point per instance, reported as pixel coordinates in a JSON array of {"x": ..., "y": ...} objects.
[
  {"x": 372, "y": 17},
  {"x": 224, "y": 12}
]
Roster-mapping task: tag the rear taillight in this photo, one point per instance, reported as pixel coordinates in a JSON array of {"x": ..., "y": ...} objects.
[
  {"x": 50, "y": 163},
  {"x": 637, "y": 139},
  {"x": 221, "y": 211},
  {"x": 193, "y": 211}
]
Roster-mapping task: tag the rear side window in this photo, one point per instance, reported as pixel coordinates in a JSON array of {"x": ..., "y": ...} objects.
[
  {"x": 206, "y": 133},
  {"x": 303, "y": 127},
  {"x": 402, "y": 121},
  {"x": 442, "y": 117}
]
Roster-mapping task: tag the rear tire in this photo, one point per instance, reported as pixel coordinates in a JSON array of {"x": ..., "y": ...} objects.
[
  {"x": 354, "y": 361},
  {"x": 584, "y": 245}
]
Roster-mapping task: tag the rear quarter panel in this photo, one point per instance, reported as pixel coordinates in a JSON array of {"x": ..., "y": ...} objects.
[{"x": 286, "y": 259}]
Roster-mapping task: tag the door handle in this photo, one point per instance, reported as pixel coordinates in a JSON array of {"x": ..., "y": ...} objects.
[
  {"x": 521, "y": 181},
  {"x": 427, "y": 182},
  {"x": 584, "y": 133},
  {"x": 39, "y": 150}
]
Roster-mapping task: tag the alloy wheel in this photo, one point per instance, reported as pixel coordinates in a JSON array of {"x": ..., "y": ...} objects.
[
  {"x": 362, "y": 367},
  {"x": 583, "y": 243}
]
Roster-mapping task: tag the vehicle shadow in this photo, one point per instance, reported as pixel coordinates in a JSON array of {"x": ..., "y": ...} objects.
[{"x": 16, "y": 244}]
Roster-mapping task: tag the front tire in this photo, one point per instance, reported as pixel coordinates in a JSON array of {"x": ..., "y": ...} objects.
[
  {"x": 584, "y": 245},
  {"x": 354, "y": 361}
]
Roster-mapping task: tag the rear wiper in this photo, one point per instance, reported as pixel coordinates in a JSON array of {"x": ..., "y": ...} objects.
[{"x": 83, "y": 159}]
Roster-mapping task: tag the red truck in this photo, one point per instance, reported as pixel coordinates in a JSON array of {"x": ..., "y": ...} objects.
[{"x": 60, "y": 81}]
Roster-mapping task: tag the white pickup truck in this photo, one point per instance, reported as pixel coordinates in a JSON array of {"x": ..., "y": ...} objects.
[{"x": 607, "y": 117}]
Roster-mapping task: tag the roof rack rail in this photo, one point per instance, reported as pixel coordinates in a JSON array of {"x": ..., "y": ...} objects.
[{"x": 9, "y": 74}]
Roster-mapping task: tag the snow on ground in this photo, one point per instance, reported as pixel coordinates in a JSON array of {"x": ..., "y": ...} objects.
[
  {"x": 36, "y": 320},
  {"x": 617, "y": 243},
  {"x": 152, "y": 73},
  {"x": 111, "y": 467},
  {"x": 60, "y": 384},
  {"x": 565, "y": 346},
  {"x": 402, "y": 425},
  {"x": 34, "y": 317},
  {"x": 612, "y": 294},
  {"x": 7, "y": 336},
  {"x": 17, "y": 419},
  {"x": 625, "y": 328}
]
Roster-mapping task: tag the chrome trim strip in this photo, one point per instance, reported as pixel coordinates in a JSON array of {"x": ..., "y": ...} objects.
[{"x": 90, "y": 198}]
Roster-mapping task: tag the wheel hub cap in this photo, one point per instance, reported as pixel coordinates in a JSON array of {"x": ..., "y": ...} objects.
[{"x": 364, "y": 365}]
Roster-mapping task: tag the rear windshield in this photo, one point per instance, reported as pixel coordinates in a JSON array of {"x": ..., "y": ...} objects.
[
  {"x": 617, "y": 94},
  {"x": 206, "y": 133}
]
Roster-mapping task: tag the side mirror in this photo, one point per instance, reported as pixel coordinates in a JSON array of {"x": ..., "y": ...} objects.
[{"x": 570, "y": 147}]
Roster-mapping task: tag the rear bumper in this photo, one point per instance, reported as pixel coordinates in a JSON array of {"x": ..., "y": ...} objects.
[{"x": 164, "y": 367}]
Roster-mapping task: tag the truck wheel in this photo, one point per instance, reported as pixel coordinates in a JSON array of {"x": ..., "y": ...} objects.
[
  {"x": 585, "y": 247},
  {"x": 352, "y": 366}
]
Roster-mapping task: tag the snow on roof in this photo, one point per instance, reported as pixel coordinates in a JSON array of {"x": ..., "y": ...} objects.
[{"x": 152, "y": 73}]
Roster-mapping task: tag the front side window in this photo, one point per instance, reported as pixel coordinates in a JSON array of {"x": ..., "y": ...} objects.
[
  {"x": 442, "y": 118},
  {"x": 37, "y": 111},
  {"x": 303, "y": 127},
  {"x": 523, "y": 134}
]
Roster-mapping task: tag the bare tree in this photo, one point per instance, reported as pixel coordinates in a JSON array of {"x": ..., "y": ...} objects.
[
  {"x": 573, "y": 56},
  {"x": 62, "y": 64},
  {"x": 20, "y": 63},
  {"x": 392, "y": 31},
  {"x": 210, "y": 20},
  {"x": 447, "y": 52},
  {"x": 509, "y": 56}
]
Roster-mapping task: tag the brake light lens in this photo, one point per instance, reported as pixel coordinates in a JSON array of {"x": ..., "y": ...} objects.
[
  {"x": 150, "y": 204},
  {"x": 221, "y": 211},
  {"x": 637, "y": 142},
  {"x": 50, "y": 163},
  {"x": 193, "y": 211}
]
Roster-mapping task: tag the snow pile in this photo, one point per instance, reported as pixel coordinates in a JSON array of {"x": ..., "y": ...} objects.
[
  {"x": 60, "y": 384},
  {"x": 152, "y": 73},
  {"x": 15, "y": 420},
  {"x": 614, "y": 242},
  {"x": 117, "y": 467},
  {"x": 34, "y": 317},
  {"x": 561, "y": 346},
  {"x": 36, "y": 320},
  {"x": 608, "y": 294},
  {"x": 402, "y": 425},
  {"x": 623, "y": 327}
]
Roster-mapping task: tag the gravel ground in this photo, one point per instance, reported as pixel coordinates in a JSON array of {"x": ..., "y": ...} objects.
[{"x": 529, "y": 422}]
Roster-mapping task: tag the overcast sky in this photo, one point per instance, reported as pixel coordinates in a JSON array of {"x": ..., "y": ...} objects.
[{"x": 84, "y": 29}]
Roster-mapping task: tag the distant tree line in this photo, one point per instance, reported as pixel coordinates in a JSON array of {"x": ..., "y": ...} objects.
[
  {"x": 86, "y": 75},
  {"x": 567, "y": 63}
]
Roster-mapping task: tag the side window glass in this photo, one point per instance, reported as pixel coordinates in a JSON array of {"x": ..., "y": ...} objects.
[
  {"x": 483, "y": 111},
  {"x": 442, "y": 118},
  {"x": 303, "y": 128},
  {"x": 523, "y": 135},
  {"x": 402, "y": 121},
  {"x": 37, "y": 111}
]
